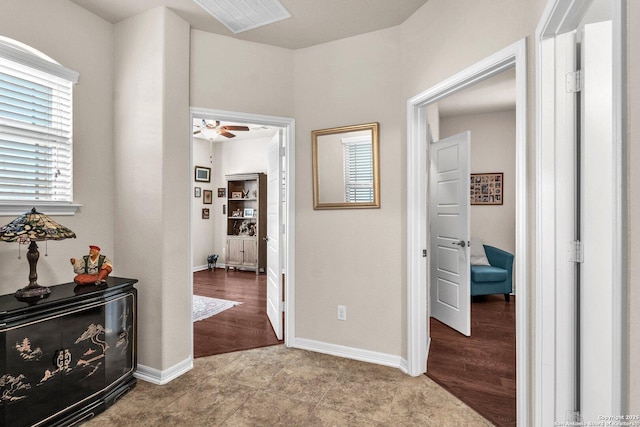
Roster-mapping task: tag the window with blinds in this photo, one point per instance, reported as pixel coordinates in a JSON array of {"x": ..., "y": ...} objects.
[
  {"x": 358, "y": 169},
  {"x": 36, "y": 150}
]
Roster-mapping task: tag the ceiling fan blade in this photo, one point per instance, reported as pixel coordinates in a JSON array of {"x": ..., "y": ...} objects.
[
  {"x": 227, "y": 134},
  {"x": 234, "y": 128}
]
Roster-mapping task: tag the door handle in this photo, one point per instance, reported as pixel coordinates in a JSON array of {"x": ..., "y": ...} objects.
[
  {"x": 266, "y": 239},
  {"x": 461, "y": 243}
]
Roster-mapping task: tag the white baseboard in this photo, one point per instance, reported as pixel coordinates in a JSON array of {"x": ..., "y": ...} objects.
[
  {"x": 158, "y": 377},
  {"x": 351, "y": 353}
]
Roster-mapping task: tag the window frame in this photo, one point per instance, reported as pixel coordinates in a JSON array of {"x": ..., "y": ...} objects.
[
  {"x": 25, "y": 55},
  {"x": 350, "y": 146}
]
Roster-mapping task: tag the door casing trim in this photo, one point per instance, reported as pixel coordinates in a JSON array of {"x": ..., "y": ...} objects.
[
  {"x": 418, "y": 336},
  {"x": 561, "y": 16},
  {"x": 287, "y": 125}
]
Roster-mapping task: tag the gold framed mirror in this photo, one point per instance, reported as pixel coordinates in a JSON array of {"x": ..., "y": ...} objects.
[{"x": 346, "y": 170}]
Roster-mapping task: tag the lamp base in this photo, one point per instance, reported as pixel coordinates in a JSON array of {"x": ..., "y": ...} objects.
[{"x": 33, "y": 291}]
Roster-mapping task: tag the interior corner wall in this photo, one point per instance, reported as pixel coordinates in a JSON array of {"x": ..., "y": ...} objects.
[
  {"x": 152, "y": 183},
  {"x": 351, "y": 257},
  {"x": 493, "y": 149},
  {"x": 83, "y": 42}
]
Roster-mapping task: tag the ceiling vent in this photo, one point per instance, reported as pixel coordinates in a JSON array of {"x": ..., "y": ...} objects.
[{"x": 244, "y": 15}]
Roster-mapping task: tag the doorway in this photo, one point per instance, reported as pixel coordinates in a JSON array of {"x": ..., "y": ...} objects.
[
  {"x": 514, "y": 57},
  {"x": 476, "y": 360},
  {"x": 284, "y": 131}
]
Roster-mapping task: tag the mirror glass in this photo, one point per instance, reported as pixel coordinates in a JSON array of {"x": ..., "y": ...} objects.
[{"x": 345, "y": 167}]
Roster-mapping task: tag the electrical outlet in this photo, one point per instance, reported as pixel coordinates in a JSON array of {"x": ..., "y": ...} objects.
[{"x": 342, "y": 312}]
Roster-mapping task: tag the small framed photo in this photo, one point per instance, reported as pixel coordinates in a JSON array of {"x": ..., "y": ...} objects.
[
  {"x": 207, "y": 197},
  {"x": 197, "y": 192},
  {"x": 236, "y": 194},
  {"x": 202, "y": 174},
  {"x": 222, "y": 192},
  {"x": 248, "y": 212},
  {"x": 205, "y": 213},
  {"x": 236, "y": 214},
  {"x": 487, "y": 188}
]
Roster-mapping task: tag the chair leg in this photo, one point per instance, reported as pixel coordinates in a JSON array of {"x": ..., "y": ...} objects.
[{"x": 507, "y": 297}]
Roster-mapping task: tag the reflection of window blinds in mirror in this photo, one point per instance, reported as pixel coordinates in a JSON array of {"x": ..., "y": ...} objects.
[{"x": 358, "y": 169}]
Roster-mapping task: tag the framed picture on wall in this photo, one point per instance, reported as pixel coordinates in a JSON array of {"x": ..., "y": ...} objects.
[
  {"x": 222, "y": 192},
  {"x": 207, "y": 197},
  {"x": 205, "y": 213},
  {"x": 202, "y": 174},
  {"x": 196, "y": 192},
  {"x": 487, "y": 188}
]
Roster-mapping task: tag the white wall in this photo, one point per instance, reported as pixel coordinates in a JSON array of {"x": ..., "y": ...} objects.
[
  {"x": 351, "y": 257},
  {"x": 151, "y": 142},
  {"x": 234, "y": 75},
  {"x": 493, "y": 149},
  {"x": 83, "y": 42},
  {"x": 229, "y": 157}
]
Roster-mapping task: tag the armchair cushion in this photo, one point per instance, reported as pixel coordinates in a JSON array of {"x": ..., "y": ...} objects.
[
  {"x": 495, "y": 278},
  {"x": 488, "y": 273}
]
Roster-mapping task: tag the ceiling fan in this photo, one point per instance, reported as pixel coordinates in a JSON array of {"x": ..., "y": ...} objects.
[{"x": 218, "y": 129}]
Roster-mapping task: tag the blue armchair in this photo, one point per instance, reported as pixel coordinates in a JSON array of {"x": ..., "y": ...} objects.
[{"x": 495, "y": 278}]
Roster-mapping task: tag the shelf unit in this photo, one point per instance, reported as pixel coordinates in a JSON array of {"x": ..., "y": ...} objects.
[{"x": 246, "y": 222}]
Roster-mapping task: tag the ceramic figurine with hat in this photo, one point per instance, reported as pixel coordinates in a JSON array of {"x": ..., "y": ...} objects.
[{"x": 93, "y": 268}]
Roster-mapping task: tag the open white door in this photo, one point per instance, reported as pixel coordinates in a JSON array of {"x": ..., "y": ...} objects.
[
  {"x": 597, "y": 228},
  {"x": 274, "y": 219},
  {"x": 450, "y": 229}
]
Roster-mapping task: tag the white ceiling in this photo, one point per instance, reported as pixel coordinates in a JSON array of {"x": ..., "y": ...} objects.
[
  {"x": 254, "y": 132},
  {"x": 312, "y": 21}
]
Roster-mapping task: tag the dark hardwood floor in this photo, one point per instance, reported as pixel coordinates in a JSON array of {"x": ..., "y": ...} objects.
[
  {"x": 241, "y": 327},
  {"x": 481, "y": 369}
]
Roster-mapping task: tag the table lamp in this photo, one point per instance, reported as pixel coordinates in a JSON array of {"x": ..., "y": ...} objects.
[{"x": 33, "y": 227}]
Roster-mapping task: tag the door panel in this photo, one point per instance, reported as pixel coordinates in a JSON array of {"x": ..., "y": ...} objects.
[
  {"x": 274, "y": 220},
  {"x": 449, "y": 217},
  {"x": 596, "y": 224}
]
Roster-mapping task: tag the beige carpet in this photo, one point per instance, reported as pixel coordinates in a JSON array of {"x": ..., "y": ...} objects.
[{"x": 277, "y": 386}]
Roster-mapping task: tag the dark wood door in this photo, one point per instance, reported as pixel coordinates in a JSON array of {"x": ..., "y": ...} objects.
[
  {"x": 85, "y": 346},
  {"x": 120, "y": 337}
]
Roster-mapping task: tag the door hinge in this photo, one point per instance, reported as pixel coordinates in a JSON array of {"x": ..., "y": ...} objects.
[
  {"x": 281, "y": 306},
  {"x": 574, "y": 81},
  {"x": 424, "y": 253},
  {"x": 576, "y": 251}
]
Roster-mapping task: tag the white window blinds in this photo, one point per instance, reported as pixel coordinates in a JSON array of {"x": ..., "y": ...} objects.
[
  {"x": 35, "y": 127},
  {"x": 358, "y": 169}
]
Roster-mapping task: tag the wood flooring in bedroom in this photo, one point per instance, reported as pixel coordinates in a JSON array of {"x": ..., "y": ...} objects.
[
  {"x": 243, "y": 327},
  {"x": 480, "y": 370}
]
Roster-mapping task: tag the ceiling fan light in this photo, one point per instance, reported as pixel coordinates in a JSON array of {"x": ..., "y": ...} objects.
[{"x": 244, "y": 15}]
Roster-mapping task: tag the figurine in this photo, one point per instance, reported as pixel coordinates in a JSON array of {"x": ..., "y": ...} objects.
[{"x": 93, "y": 268}]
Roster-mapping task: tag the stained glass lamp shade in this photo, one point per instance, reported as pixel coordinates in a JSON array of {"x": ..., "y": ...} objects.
[{"x": 33, "y": 227}]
